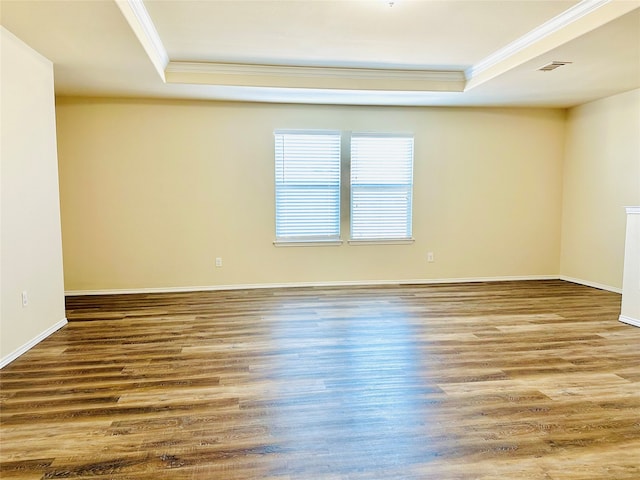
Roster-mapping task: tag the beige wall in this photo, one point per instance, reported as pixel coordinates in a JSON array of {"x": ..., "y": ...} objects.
[
  {"x": 31, "y": 248},
  {"x": 601, "y": 177},
  {"x": 153, "y": 191}
]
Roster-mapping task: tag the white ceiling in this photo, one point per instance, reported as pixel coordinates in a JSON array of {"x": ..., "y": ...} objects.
[
  {"x": 416, "y": 52},
  {"x": 410, "y": 34}
]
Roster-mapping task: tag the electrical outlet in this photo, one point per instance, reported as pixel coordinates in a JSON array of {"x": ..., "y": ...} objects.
[
  {"x": 430, "y": 257},
  {"x": 25, "y": 299},
  {"x": 218, "y": 261}
]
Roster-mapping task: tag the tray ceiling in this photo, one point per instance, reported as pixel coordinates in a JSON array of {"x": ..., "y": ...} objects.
[{"x": 435, "y": 52}]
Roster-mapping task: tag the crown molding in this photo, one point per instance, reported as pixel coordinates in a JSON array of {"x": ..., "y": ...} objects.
[
  {"x": 274, "y": 76},
  {"x": 250, "y": 75},
  {"x": 140, "y": 22},
  {"x": 583, "y": 17},
  {"x": 534, "y": 36},
  {"x": 570, "y": 24}
]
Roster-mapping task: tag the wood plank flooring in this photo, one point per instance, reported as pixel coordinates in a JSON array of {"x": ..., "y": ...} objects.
[{"x": 509, "y": 380}]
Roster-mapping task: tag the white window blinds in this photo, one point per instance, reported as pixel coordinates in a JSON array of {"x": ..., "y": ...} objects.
[
  {"x": 307, "y": 165},
  {"x": 381, "y": 186}
]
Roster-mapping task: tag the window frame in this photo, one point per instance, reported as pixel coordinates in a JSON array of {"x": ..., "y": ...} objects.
[
  {"x": 400, "y": 187},
  {"x": 345, "y": 192},
  {"x": 307, "y": 240}
]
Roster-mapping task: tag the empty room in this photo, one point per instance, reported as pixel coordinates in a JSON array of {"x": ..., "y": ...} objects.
[{"x": 320, "y": 239}]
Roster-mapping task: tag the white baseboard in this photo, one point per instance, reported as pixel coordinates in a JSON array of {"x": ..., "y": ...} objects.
[
  {"x": 31, "y": 343},
  {"x": 591, "y": 284},
  {"x": 631, "y": 321},
  {"x": 356, "y": 283}
]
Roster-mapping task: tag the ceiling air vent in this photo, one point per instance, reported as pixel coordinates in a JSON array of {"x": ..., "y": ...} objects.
[{"x": 552, "y": 66}]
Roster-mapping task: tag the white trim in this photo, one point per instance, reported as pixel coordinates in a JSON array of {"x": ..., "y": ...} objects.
[
  {"x": 633, "y": 210},
  {"x": 32, "y": 343},
  {"x": 557, "y": 23},
  {"x": 588, "y": 283},
  {"x": 542, "y": 41},
  {"x": 581, "y": 18},
  {"x": 305, "y": 131},
  {"x": 382, "y": 241},
  {"x": 355, "y": 283},
  {"x": 140, "y": 22},
  {"x": 292, "y": 76},
  {"x": 455, "y": 76},
  {"x": 307, "y": 243},
  {"x": 631, "y": 321}
]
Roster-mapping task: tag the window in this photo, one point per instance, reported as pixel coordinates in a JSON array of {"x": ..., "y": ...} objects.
[
  {"x": 307, "y": 186},
  {"x": 381, "y": 186},
  {"x": 378, "y": 178}
]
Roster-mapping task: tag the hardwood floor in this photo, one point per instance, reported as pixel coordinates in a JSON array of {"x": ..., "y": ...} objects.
[{"x": 513, "y": 380}]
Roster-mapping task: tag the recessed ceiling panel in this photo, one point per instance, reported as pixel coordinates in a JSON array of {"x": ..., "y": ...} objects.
[
  {"x": 96, "y": 52},
  {"x": 345, "y": 33},
  {"x": 604, "y": 62}
]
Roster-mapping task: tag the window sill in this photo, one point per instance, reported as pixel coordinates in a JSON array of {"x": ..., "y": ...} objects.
[
  {"x": 307, "y": 243},
  {"x": 383, "y": 241}
]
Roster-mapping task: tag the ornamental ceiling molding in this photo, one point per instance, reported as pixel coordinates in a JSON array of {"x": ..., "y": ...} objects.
[
  {"x": 583, "y": 17},
  {"x": 144, "y": 29},
  {"x": 569, "y": 25},
  {"x": 205, "y": 73}
]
